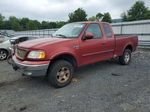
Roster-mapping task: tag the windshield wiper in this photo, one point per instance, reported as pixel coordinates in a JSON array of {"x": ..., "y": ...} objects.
[{"x": 61, "y": 35}]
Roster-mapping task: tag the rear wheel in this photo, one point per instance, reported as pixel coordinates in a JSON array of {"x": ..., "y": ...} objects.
[
  {"x": 60, "y": 73},
  {"x": 3, "y": 54},
  {"x": 126, "y": 57}
]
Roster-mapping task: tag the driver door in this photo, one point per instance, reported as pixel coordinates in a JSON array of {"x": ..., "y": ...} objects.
[{"x": 92, "y": 50}]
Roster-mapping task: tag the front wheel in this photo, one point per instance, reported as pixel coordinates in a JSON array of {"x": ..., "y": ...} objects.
[
  {"x": 60, "y": 73},
  {"x": 3, "y": 54},
  {"x": 126, "y": 57}
]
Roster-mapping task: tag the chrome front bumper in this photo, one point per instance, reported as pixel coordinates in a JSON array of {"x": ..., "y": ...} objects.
[{"x": 30, "y": 70}]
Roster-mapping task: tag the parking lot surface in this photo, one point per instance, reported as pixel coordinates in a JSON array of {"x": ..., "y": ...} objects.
[{"x": 101, "y": 87}]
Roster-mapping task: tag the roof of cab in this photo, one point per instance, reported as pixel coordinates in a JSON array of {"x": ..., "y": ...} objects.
[{"x": 90, "y": 22}]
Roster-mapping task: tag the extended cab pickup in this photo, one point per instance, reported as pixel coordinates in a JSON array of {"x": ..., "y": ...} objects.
[{"x": 73, "y": 45}]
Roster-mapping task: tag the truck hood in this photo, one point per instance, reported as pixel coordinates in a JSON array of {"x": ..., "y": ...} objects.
[{"x": 40, "y": 43}]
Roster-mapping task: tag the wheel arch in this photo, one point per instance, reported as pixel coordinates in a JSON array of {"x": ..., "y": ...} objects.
[
  {"x": 64, "y": 56},
  {"x": 5, "y": 50},
  {"x": 129, "y": 46}
]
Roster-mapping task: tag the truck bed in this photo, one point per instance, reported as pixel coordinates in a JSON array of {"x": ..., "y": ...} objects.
[{"x": 124, "y": 40}]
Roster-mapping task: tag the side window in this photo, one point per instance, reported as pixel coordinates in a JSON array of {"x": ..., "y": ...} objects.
[
  {"x": 107, "y": 30},
  {"x": 95, "y": 30}
]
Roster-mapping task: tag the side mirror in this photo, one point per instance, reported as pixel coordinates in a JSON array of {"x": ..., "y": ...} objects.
[{"x": 88, "y": 36}]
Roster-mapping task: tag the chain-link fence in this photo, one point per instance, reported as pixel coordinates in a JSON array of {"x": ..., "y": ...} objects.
[
  {"x": 38, "y": 33},
  {"x": 139, "y": 28}
]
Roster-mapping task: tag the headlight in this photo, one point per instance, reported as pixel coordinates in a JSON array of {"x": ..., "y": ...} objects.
[{"x": 36, "y": 55}]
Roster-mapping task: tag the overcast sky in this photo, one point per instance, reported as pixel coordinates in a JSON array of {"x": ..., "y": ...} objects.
[{"x": 56, "y": 10}]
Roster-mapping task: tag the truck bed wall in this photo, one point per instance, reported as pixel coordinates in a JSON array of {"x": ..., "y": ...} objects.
[{"x": 123, "y": 41}]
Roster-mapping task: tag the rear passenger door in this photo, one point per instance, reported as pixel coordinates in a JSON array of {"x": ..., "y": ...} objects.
[{"x": 110, "y": 40}]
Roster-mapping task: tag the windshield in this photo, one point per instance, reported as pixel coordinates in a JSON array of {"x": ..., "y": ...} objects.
[{"x": 71, "y": 30}]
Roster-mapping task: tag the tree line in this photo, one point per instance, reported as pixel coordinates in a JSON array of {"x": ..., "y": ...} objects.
[
  {"x": 137, "y": 12},
  {"x": 21, "y": 24}
]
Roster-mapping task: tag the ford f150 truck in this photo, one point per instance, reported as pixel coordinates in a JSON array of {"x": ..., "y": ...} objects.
[{"x": 73, "y": 45}]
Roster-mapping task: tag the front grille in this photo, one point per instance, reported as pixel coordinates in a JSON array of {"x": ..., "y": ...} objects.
[{"x": 20, "y": 53}]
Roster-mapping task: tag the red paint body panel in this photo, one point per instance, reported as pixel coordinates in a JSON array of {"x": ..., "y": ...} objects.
[
  {"x": 84, "y": 51},
  {"x": 30, "y": 62}
]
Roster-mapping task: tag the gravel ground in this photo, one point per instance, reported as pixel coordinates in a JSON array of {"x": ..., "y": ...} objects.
[{"x": 101, "y": 87}]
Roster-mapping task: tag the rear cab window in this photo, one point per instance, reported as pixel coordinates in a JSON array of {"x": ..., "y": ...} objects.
[{"x": 107, "y": 30}]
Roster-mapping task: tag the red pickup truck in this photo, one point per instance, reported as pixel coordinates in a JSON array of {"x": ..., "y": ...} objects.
[{"x": 73, "y": 45}]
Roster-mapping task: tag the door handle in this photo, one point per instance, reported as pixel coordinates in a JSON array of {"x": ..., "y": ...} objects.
[{"x": 103, "y": 43}]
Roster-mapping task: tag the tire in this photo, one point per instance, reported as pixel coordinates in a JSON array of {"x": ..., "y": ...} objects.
[
  {"x": 126, "y": 57},
  {"x": 9, "y": 59},
  {"x": 3, "y": 54},
  {"x": 60, "y": 73}
]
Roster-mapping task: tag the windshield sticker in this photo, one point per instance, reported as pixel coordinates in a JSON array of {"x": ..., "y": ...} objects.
[{"x": 78, "y": 26}]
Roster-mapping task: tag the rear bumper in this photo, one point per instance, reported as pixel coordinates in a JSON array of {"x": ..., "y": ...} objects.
[{"x": 29, "y": 68}]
